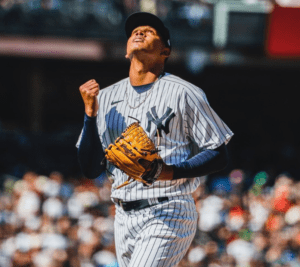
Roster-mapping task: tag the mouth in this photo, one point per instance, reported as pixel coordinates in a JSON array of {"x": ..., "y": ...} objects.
[{"x": 136, "y": 40}]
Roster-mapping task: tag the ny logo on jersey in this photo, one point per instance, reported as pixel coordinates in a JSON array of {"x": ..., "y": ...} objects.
[{"x": 159, "y": 121}]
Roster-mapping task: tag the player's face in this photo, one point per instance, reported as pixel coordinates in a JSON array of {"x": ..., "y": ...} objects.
[{"x": 145, "y": 39}]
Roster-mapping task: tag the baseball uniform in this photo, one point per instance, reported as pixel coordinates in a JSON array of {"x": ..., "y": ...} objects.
[
  {"x": 187, "y": 125},
  {"x": 154, "y": 225}
]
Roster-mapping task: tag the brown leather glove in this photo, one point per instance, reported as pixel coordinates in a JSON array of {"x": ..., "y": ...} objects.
[{"x": 135, "y": 154}]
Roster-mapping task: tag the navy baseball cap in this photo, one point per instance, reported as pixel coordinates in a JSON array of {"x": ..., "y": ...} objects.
[{"x": 147, "y": 19}]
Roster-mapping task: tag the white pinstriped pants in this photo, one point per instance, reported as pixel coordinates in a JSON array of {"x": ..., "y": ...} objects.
[{"x": 158, "y": 236}]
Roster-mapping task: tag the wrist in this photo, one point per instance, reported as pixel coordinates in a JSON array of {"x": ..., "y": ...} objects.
[
  {"x": 90, "y": 113},
  {"x": 167, "y": 173},
  {"x": 88, "y": 118}
]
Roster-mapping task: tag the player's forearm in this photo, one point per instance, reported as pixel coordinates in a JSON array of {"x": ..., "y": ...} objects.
[
  {"x": 204, "y": 163},
  {"x": 90, "y": 152}
]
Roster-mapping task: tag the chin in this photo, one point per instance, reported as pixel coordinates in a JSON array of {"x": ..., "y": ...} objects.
[
  {"x": 137, "y": 49},
  {"x": 134, "y": 52}
]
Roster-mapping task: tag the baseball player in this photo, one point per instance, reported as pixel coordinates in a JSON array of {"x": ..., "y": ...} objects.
[{"x": 154, "y": 224}]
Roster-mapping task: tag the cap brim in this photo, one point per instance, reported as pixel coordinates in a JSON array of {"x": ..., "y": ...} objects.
[
  {"x": 143, "y": 19},
  {"x": 147, "y": 19}
]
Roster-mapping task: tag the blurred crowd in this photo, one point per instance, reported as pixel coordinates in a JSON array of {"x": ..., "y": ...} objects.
[
  {"x": 92, "y": 18},
  {"x": 46, "y": 221},
  {"x": 59, "y": 17},
  {"x": 51, "y": 221},
  {"x": 257, "y": 227}
]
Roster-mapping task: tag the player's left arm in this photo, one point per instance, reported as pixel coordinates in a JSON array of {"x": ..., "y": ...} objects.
[
  {"x": 204, "y": 163},
  {"x": 206, "y": 130}
]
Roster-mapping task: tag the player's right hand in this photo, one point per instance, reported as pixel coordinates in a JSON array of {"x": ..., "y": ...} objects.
[{"x": 89, "y": 92}]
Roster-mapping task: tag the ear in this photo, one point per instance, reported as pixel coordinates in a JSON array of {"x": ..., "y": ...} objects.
[{"x": 166, "y": 52}]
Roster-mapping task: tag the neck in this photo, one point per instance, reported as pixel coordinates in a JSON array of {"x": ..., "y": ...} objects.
[{"x": 141, "y": 73}]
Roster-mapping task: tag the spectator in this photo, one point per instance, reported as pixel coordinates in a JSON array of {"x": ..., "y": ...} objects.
[{"x": 45, "y": 221}]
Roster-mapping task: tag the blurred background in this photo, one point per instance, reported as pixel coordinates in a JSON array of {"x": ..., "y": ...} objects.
[{"x": 244, "y": 54}]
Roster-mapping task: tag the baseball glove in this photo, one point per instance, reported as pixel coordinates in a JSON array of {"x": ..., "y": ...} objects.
[{"x": 135, "y": 154}]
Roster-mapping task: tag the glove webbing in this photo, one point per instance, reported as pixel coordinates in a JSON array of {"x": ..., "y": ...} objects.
[{"x": 130, "y": 179}]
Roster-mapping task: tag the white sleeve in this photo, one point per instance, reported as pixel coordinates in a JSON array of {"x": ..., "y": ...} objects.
[{"x": 203, "y": 126}]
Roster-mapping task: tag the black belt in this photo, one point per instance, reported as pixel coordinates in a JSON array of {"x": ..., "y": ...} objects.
[{"x": 139, "y": 204}]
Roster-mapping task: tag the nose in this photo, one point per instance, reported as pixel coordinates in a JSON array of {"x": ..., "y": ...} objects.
[{"x": 139, "y": 32}]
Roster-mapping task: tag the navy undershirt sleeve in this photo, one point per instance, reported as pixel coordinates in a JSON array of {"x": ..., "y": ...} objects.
[
  {"x": 90, "y": 152},
  {"x": 204, "y": 163}
]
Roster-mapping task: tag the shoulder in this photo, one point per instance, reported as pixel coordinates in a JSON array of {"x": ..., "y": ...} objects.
[
  {"x": 114, "y": 86},
  {"x": 186, "y": 87}
]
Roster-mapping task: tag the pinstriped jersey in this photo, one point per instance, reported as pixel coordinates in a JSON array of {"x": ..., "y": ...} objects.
[{"x": 174, "y": 113}]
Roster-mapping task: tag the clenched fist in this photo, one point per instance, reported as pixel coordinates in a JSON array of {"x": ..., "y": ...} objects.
[{"x": 89, "y": 92}]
